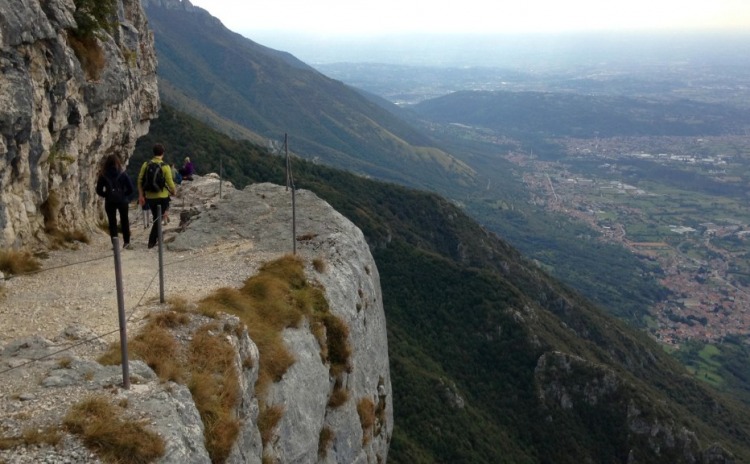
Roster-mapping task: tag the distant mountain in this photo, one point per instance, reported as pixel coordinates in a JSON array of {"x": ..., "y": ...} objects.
[
  {"x": 574, "y": 115},
  {"x": 492, "y": 360},
  {"x": 272, "y": 93}
]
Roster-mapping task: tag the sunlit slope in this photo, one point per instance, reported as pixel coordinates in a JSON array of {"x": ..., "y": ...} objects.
[{"x": 271, "y": 93}]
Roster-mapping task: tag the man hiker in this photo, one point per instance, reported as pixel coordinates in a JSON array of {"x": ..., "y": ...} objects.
[{"x": 155, "y": 184}]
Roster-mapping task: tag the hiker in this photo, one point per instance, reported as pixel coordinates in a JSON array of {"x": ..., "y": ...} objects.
[
  {"x": 155, "y": 184},
  {"x": 187, "y": 170},
  {"x": 115, "y": 186}
]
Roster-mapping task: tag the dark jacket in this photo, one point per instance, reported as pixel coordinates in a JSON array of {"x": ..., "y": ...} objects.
[{"x": 115, "y": 186}]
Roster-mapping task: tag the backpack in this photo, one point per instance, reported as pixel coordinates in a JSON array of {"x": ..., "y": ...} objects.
[
  {"x": 153, "y": 178},
  {"x": 114, "y": 189}
]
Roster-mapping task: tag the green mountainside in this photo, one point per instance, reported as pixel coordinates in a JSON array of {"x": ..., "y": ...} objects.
[
  {"x": 272, "y": 93},
  {"x": 572, "y": 115},
  {"x": 492, "y": 360}
]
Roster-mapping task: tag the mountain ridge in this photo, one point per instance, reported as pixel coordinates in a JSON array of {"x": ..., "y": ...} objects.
[{"x": 274, "y": 93}]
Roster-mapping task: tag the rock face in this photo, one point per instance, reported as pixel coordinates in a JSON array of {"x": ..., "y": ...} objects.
[
  {"x": 263, "y": 214},
  {"x": 58, "y": 118}
]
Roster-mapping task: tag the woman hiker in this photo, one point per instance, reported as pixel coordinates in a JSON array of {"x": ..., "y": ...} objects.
[{"x": 115, "y": 186}]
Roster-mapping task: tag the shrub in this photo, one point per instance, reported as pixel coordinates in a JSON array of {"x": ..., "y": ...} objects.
[{"x": 92, "y": 16}]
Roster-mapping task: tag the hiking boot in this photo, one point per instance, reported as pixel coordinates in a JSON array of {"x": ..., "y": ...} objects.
[{"x": 127, "y": 246}]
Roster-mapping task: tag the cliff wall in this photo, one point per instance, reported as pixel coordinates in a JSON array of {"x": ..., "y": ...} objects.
[{"x": 64, "y": 104}]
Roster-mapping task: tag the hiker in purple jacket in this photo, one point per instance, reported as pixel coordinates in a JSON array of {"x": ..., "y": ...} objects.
[
  {"x": 187, "y": 170},
  {"x": 115, "y": 186}
]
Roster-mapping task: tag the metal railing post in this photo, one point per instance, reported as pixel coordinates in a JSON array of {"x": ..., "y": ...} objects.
[
  {"x": 161, "y": 253},
  {"x": 121, "y": 314}
]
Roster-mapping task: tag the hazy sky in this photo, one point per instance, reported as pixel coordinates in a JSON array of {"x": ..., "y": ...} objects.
[{"x": 347, "y": 17}]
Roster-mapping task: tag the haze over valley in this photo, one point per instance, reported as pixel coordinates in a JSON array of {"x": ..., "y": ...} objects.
[{"x": 645, "y": 144}]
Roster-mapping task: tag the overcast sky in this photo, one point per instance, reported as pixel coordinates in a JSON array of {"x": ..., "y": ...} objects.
[{"x": 353, "y": 17}]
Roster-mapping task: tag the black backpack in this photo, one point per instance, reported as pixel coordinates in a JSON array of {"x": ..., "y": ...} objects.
[
  {"x": 114, "y": 192},
  {"x": 153, "y": 178}
]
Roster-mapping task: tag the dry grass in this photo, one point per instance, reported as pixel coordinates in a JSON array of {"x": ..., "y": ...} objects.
[
  {"x": 155, "y": 346},
  {"x": 276, "y": 298},
  {"x": 366, "y": 411},
  {"x": 32, "y": 436},
  {"x": 268, "y": 419},
  {"x": 339, "y": 348},
  {"x": 319, "y": 264},
  {"x": 170, "y": 319},
  {"x": 206, "y": 366},
  {"x": 18, "y": 262},
  {"x": 104, "y": 429},
  {"x": 339, "y": 396},
  {"x": 214, "y": 385},
  {"x": 89, "y": 54},
  {"x": 324, "y": 441},
  {"x": 178, "y": 304},
  {"x": 65, "y": 238}
]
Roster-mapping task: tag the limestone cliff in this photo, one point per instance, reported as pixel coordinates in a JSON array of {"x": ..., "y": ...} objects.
[{"x": 58, "y": 118}]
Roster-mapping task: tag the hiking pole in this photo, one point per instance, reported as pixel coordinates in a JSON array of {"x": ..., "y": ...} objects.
[
  {"x": 221, "y": 174},
  {"x": 161, "y": 254},
  {"x": 121, "y": 314}
]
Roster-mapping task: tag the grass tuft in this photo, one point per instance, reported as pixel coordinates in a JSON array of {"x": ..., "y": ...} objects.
[
  {"x": 324, "y": 441},
  {"x": 104, "y": 429},
  {"x": 215, "y": 387},
  {"x": 16, "y": 262},
  {"x": 339, "y": 396},
  {"x": 170, "y": 319},
  {"x": 155, "y": 346},
  {"x": 366, "y": 411},
  {"x": 319, "y": 264},
  {"x": 178, "y": 304},
  {"x": 268, "y": 419}
]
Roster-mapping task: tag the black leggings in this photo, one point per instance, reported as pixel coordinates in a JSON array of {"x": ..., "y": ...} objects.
[{"x": 111, "y": 209}]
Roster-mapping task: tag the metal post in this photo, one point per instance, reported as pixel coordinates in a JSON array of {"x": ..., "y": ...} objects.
[
  {"x": 294, "y": 224},
  {"x": 121, "y": 314},
  {"x": 221, "y": 174},
  {"x": 290, "y": 182},
  {"x": 161, "y": 254}
]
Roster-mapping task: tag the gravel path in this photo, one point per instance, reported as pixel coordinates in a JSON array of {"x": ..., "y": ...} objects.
[{"x": 78, "y": 286}]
